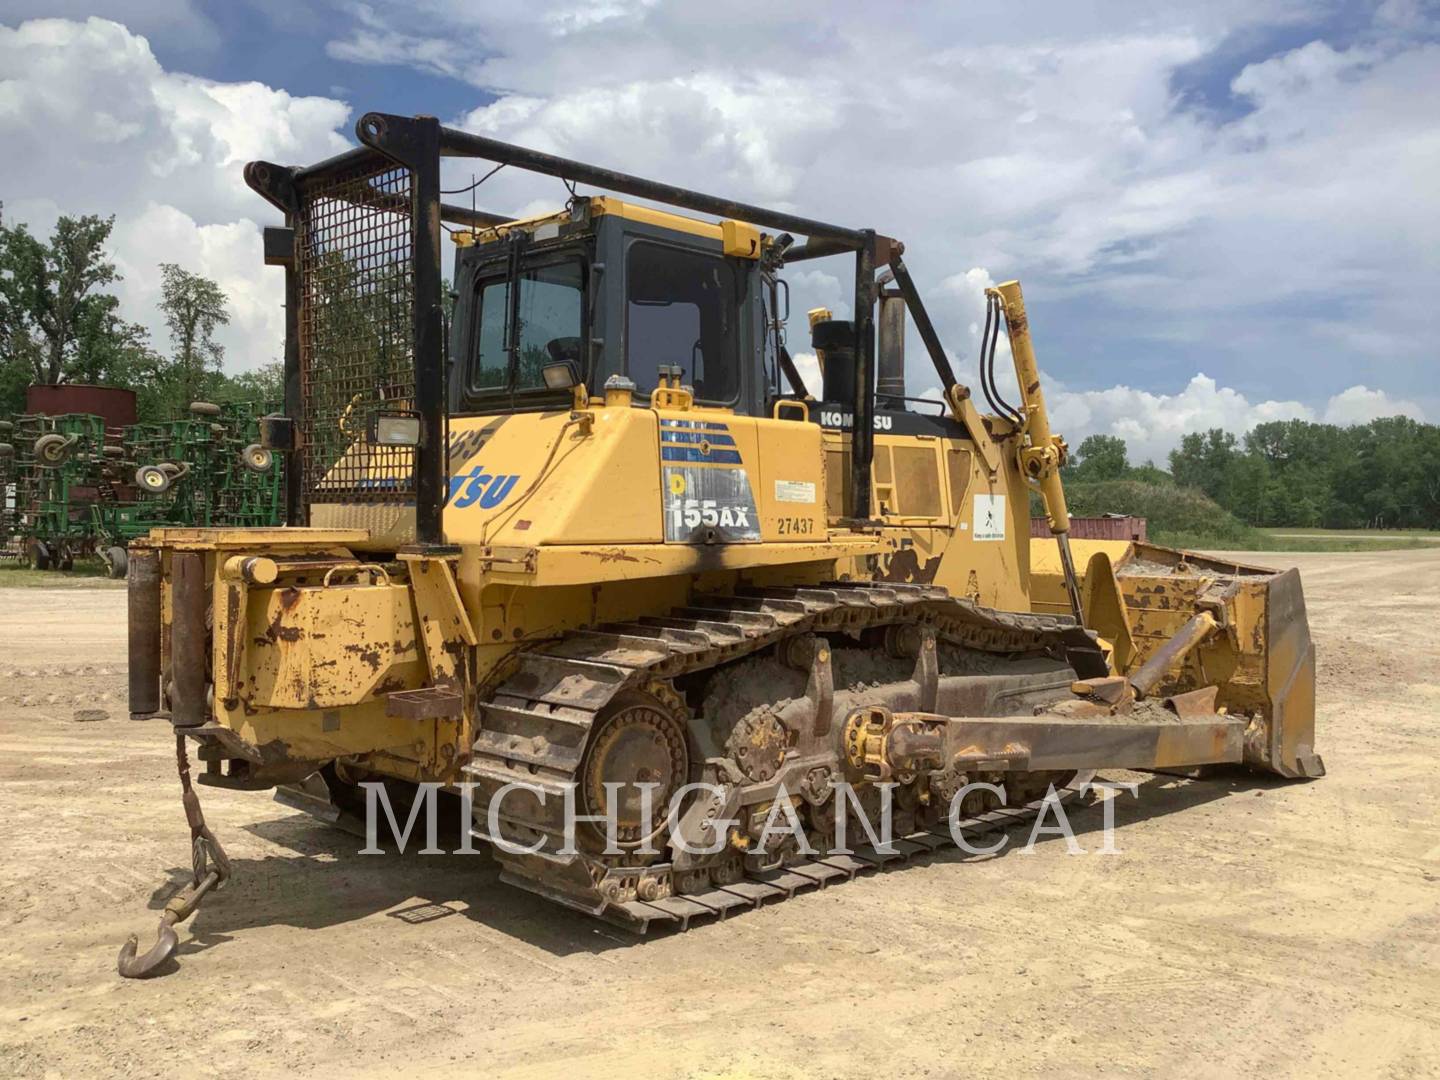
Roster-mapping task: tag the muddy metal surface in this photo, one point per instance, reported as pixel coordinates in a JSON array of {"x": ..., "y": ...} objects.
[{"x": 1248, "y": 925}]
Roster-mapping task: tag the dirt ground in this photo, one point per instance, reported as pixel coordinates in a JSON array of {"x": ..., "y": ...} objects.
[{"x": 1248, "y": 927}]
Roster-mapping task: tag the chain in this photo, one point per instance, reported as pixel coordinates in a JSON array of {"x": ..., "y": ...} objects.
[{"x": 209, "y": 866}]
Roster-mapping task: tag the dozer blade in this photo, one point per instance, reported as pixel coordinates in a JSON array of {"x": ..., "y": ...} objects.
[
  {"x": 1288, "y": 746},
  {"x": 1259, "y": 657}
]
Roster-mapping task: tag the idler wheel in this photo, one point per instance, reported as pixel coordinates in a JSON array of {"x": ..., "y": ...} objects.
[{"x": 637, "y": 741}]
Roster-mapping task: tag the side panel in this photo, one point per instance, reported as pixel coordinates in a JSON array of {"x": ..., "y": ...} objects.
[
  {"x": 540, "y": 478},
  {"x": 950, "y": 522},
  {"x": 791, "y": 491},
  {"x": 731, "y": 479}
]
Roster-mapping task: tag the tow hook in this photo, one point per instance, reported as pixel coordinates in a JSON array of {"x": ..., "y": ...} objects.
[{"x": 210, "y": 870}]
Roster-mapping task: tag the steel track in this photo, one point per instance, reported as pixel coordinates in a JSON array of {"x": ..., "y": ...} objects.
[{"x": 534, "y": 726}]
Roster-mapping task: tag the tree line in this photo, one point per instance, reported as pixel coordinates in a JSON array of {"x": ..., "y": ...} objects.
[
  {"x": 1384, "y": 474},
  {"x": 60, "y": 323}
]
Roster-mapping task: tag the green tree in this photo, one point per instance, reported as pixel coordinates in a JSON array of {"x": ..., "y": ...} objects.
[
  {"x": 112, "y": 351},
  {"x": 54, "y": 314},
  {"x": 194, "y": 308},
  {"x": 1100, "y": 457},
  {"x": 1206, "y": 462},
  {"x": 265, "y": 384},
  {"x": 1150, "y": 473}
]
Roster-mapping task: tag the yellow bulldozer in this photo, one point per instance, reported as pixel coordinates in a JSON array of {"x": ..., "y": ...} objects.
[{"x": 572, "y": 538}]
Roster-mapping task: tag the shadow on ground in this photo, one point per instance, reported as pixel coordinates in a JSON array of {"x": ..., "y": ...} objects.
[{"x": 326, "y": 881}]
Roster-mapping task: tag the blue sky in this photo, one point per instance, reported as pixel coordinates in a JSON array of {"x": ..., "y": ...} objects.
[{"x": 1222, "y": 213}]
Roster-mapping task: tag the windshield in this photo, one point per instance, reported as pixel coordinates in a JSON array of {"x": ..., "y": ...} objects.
[{"x": 547, "y": 328}]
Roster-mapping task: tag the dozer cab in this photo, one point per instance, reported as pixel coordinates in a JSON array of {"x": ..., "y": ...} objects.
[{"x": 583, "y": 545}]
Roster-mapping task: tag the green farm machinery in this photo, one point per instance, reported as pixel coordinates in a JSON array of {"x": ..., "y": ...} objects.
[{"x": 77, "y": 488}]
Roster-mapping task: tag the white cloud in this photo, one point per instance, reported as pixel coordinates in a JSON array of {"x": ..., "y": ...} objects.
[
  {"x": 1302, "y": 232},
  {"x": 1286, "y": 246},
  {"x": 1360, "y": 405},
  {"x": 93, "y": 124},
  {"x": 808, "y": 365},
  {"x": 1153, "y": 424},
  {"x": 229, "y": 253}
]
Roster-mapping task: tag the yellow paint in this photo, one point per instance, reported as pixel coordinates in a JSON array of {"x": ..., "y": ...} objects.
[
  {"x": 648, "y": 215},
  {"x": 574, "y": 536},
  {"x": 740, "y": 240},
  {"x": 1047, "y": 582},
  {"x": 1043, "y": 452}
]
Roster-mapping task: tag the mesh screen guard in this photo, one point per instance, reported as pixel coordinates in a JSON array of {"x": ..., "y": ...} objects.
[{"x": 354, "y": 240}]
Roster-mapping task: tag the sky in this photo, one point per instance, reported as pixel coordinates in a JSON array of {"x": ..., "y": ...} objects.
[{"x": 1221, "y": 213}]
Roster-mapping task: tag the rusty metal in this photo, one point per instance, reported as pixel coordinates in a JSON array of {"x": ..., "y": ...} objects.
[
  {"x": 1287, "y": 746},
  {"x": 555, "y": 695},
  {"x": 1104, "y": 527},
  {"x": 414, "y": 145},
  {"x": 1187, "y": 734},
  {"x": 1194, "y": 703},
  {"x": 189, "y": 639},
  {"x": 144, "y": 634},
  {"x": 426, "y": 703},
  {"x": 210, "y": 869},
  {"x": 283, "y": 434},
  {"x": 354, "y": 332},
  {"x": 863, "y": 437},
  {"x": 1072, "y": 582},
  {"x": 923, "y": 324},
  {"x": 468, "y": 144},
  {"x": 1111, "y": 689},
  {"x": 114, "y": 404},
  {"x": 1173, "y": 652},
  {"x": 368, "y": 331},
  {"x": 322, "y": 680},
  {"x": 890, "y": 353}
]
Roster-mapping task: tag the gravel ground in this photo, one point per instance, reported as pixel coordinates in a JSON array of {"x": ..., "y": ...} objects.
[{"x": 1248, "y": 926}]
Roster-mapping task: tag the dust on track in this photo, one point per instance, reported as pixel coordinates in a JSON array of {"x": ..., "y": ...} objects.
[{"x": 1248, "y": 925}]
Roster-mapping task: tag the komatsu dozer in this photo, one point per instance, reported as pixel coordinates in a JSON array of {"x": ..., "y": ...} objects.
[{"x": 573, "y": 538}]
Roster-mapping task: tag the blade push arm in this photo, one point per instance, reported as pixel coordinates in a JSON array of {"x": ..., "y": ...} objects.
[{"x": 1042, "y": 452}]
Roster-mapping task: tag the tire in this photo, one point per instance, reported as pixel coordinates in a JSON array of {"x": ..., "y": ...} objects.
[
  {"x": 117, "y": 562},
  {"x": 39, "y": 555},
  {"x": 257, "y": 459},
  {"x": 52, "y": 450},
  {"x": 152, "y": 479}
]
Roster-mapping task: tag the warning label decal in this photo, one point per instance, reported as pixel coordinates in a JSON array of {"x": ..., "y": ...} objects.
[{"x": 989, "y": 522}]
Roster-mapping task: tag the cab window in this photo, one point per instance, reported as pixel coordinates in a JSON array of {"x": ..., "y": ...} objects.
[
  {"x": 548, "y": 328},
  {"x": 682, "y": 310}
]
